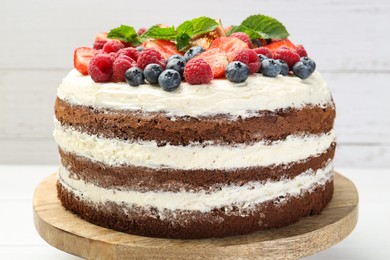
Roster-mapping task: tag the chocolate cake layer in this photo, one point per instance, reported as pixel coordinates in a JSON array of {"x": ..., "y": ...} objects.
[
  {"x": 166, "y": 179},
  {"x": 133, "y": 125},
  {"x": 216, "y": 223}
]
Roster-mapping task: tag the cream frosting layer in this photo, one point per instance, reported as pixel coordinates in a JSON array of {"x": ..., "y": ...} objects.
[
  {"x": 218, "y": 97},
  {"x": 246, "y": 196},
  {"x": 116, "y": 152}
]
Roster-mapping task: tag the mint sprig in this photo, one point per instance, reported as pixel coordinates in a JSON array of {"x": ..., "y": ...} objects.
[
  {"x": 125, "y": 33},
  {"x": 262, "y": 26},
  {"x": 157, "y": 32}
]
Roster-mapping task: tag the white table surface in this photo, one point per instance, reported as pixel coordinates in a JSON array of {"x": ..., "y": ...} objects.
[{"x": 19, "y": 239}]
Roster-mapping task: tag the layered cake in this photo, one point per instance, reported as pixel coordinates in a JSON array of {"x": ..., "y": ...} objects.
[{"x": 185, "y": 152}]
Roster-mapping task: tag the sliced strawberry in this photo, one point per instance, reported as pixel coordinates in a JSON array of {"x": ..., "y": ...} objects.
[
  {"x": 217, "y": 59},
  {"x": 230, "y": 45},
  {"x": 81, "y": 58},
  {"x": 275, "y": 45},
  {"x": 166, "y": 48}
]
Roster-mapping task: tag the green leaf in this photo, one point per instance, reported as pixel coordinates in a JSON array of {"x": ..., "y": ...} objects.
[
  {"x": 203, "y": 25},
  {"x": 125, "y": 33},
  {"x": 182, "y": 41},
  {"x": 156, "y": 32},
  {"x": 261, "y": 26}
]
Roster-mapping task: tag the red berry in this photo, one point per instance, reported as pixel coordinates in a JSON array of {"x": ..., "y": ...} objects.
[
  {"x": 243, "y": 37},
  {"x": 301, "y": 50},
  {"x": 100, "y": 68},
  {"x": 129, "y": 52},
  {"x": 217, "y": 59},
  {"x": 148, "y": 56},
  {"x": 166, "y": 48},
  {"x": 264, "y": 51},
  {"x": 120, "y": 66},
  {"x": 250, "y": 58},
  {"x": 230, "y": 45},
  {"x": 81, "y": 58},
  {"x": 288, "y": 55},
  {"x": 100, "y": 40},
  {"x": 141, "y": 30},
  {"x": 198, "y": 71},
  {"x": 112, "y": 46},
  {"x": 275, "y": 45}
]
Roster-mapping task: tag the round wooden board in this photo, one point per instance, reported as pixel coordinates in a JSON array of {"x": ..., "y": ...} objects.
[{"x": 66, "y": 231}]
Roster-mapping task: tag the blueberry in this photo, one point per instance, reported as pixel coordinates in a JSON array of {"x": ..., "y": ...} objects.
[
  {"x": 302, "y": 69},
  {"x": 151, "y": 72},
  {"x": 134, "y": 76},
  {"x": 139, "y": 48},
  {"x": 237, "y": 71},
  {"x": 262, "y": 57},
  {"x": 169, "y": 80},
  {"x": 192, "y": 52},
  {"x": 175, "y": 56},
  {"x": 310, "y": 62},
  {"x": 270, "y": 68},
  {"x": 283, "y": 66},
  {"x": 178, "y": 65}
]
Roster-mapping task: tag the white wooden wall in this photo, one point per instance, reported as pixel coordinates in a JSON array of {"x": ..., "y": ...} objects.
[{"x": 348, "y": 39}]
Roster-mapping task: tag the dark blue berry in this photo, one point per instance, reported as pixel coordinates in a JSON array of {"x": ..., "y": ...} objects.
[
  {"x": 134, "y": 76},
  {"x": 176, "y": 56},
  {"x": 178, "y": 65},
  {"x": 270, "y": 68},
  {"x": 139, "y": 48},
  {"x": 302, "y": 69},
  {"x": 283, "y": 66},
  {"x": 192, "y": 52},
  {"x": 169, "y": 80},
  {"x": 310, "y": 62},
  {"x": 151, "y": 72},
  {"x": 237, "y": 71},
  {"x": 262, "y": 57}
]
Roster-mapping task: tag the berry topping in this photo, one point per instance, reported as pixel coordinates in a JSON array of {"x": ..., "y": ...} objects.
[
  {"x": 217, "y": 59},
  {"x": 243, "y": 37},
  {"x": 250, "y": 58},
  {"x": 288, "y": 55},
  {"x": 100, "y": 68},
  {"x": 120, "y": 66},
  {"x": 129, "y": 52},
  {"x": 81, "y": 58},
  {"x": 302, "y": 69},
  {"x": 262, "y": 57},
  {"x": 198, "y": 71},
  {"x": 140, "y": 48},
  {"x": 151, "y": 73},
  {"x": 237, "y": 71},
  {"x": 166, "y": 48},
  {"x": 141, "y": 30},
  {"x": 301, "y": 50},
  {"x": 310, "y": 62},
  {"x": 134, "y": 76},
  {"x": 100, "y": 40},
  {"x": 230, "y": 45},
  {"x": 284, "y": 69},
  {"x": 176, "y": 64},
  {"x": 192, "y": 52},
  {"x": 169, "y": 80},
  {"x": 270, "y": 68},
  {"x": 176, "y": 56},
  {"x": 264, "y": 51},
  {"x": 147, "y": 56},
  {"x": 112, "y": 46},
  {"x": 275, "y": 45}
]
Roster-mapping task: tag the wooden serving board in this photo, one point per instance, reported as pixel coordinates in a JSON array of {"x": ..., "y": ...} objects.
[{"x": 66, "y": 231}]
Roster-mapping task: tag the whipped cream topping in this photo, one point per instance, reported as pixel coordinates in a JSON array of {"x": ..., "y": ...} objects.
[
  {"x": 246, "y": 196},
  {"x": 220, "y": 96},
  {"x": 116, "y": 152}
]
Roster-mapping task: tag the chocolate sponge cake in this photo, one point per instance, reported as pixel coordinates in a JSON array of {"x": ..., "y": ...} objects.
[{"x": 210, "y": 159}]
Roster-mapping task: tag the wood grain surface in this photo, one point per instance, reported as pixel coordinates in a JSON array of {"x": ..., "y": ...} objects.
[{"x": 65, "y": 231}]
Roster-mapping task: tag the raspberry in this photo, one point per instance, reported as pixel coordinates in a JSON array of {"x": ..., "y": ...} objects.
[
  {"x": 120, "y": 66},
  {"x": 288, "y": 55},
  {"x": 130, "y": 52},
  {"x": 141, "y": 31},
  {"x": 301, "y": 50},
  {"x": 250, "y": 58},
  {"x": 100, "y": 67},
  {"x": 198, "y": 71},
  {"x": 147, "y": 56},
  {"x": 264, "y": 51},
  {"x": 112, "y": 46},
  {"x": 243, "y": 37},
  {"x": 98, "y": 44}
]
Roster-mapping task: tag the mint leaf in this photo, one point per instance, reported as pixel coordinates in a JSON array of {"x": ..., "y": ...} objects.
[
  {"x": 125, "y": 33},
  {"x": 156, "y": 32},
  {"x": 261, "y": 26},
  {"x": 203, "y": 24}
]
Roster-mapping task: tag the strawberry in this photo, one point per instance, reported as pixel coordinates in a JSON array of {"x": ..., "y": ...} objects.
[
  {"x": 81, "y": 58},
  {"x": 230, "y": 45},
  {"x": 166, "y": 48},
  {"x": 243, "y": 37},
  {"x": 275, "y": 45},
  {"x": 217, "y": 59}
]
